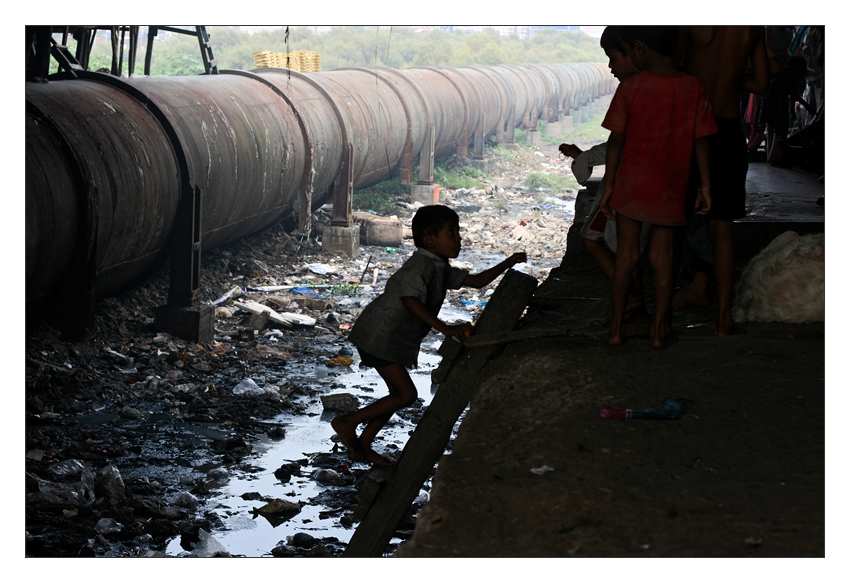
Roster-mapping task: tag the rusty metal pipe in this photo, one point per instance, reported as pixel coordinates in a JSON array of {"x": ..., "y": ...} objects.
[{"x": 109, "y": 160}]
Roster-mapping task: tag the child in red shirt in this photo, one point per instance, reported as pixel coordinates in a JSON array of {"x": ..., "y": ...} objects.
[{"x": 658, "y": 119}]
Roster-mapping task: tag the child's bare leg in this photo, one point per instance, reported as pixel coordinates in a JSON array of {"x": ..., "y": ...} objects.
[
  {"x": 661, "y": 258},
  {"x": 724, "y": 275},
  {"x": 626, "y": 259},
  {"x": 604, "y": 259},
  {"x": 402, "y": 394}
]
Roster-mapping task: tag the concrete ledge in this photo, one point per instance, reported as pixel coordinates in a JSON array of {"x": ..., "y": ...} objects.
[
  {"x": 345, "y": 240},
  {"x": 195, "y": 323}
]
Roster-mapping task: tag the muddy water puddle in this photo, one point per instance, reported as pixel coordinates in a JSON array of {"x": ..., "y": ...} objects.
[
  {"x": 308, "y": 437},
  {"x": 326, "y": 508}
]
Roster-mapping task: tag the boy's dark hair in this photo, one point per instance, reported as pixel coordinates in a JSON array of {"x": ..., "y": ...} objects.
[
  {"x": 661, "y": 39},
  {"x": 610, "y": 40},
  {"x": 429, "y": 220}
]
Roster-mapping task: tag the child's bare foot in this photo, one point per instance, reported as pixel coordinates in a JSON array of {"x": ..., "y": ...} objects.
[
  {"x": 348, "y": 436},
  {"x": 662, "y": 343},
  {"x": 374, "y": 457},
  {"x": 689, "y": 297},
  {"x": 731, "y": 330}
]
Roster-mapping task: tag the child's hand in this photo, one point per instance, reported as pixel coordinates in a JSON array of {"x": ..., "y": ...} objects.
[
  {"x": 570, "y": 150},
  {"x": 604, "y": 204},
  {"x": 520, "y": 257},
  {"x": 703, "y": 203},
  {"x": 459, "y": 331}
]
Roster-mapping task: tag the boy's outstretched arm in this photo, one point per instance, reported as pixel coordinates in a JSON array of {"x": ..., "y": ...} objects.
[
  {"x": 418, "y": 309},
  {"x": 481, "y": 279}
]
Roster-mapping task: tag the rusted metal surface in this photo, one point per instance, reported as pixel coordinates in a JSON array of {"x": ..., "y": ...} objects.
[
  {"x": 109, "y": 160},
  {"x": 128, "y": 177}
]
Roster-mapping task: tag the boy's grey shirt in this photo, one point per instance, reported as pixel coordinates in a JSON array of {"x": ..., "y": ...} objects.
[{"x": 388, "y": 330}]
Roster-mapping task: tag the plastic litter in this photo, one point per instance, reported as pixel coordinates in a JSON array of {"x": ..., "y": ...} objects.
[
  {"x": 207, "y": 546},
  {"x": 671, "y": 409},
  {"x": 65, "y": 469},
  {"x": 541, "y": 470},
  {"x": 233, "y": 293},
  {"x": 340, "y": 361},
  {"x": 321, "y": 268},
  {"x": 306, "y": 291},
  {"x": 247, "y": 387},
  {"x": 107, "y": 526}
]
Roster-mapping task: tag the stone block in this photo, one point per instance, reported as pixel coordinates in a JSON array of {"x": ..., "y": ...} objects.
[
  {"x": 382, "y": 231},
  {"x": 345, "y": 240},
  {"x": 195, "y": 323}
]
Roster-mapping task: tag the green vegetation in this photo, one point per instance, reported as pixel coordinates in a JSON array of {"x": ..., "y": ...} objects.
[
  {"x": 357, "y": 46},
  {"x": 554, "y": 182},
  {"x": 465, "y": 177},
  {"x": 380, "y": 202}
]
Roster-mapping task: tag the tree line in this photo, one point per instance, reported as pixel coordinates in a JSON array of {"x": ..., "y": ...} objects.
[{"x": 360, "y": 46}]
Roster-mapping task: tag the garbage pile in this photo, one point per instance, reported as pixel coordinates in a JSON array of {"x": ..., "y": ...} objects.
[{"x": 129, "y": 430}]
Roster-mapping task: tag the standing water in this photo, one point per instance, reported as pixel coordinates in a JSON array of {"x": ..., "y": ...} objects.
[{"x": 243, "y": 532}]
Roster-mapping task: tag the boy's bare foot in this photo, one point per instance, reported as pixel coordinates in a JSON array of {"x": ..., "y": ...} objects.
[
  {"x": 689, "y": 297},
  {"x": 348, "y": 436},
  {"x": 374, "y": 457},
  {"x": 733, "y": 330},
  {"x": 662, "y": 343}
]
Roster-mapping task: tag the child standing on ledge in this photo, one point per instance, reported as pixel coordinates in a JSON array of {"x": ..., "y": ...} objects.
[
  {"x": 658, "y": 119},
  {"x": 388, "y": 332}
]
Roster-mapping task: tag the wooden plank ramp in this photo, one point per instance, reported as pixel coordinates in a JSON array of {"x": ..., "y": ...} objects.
[{"x": 432, "y": 433}]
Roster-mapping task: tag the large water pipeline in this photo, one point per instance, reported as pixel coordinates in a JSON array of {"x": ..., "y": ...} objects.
[{"x": 109, "y": 160}]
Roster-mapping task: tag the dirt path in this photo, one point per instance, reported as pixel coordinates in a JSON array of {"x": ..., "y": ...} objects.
[{"x": 741, "y": 474}]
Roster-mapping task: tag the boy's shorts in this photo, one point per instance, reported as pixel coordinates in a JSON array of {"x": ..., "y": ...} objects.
[{"x": 367, "y": 359}]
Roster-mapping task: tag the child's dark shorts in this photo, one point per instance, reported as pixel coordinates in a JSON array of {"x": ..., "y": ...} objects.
[
  {"x": 729, "y": 165},
  {"x": 367, "y": 359},
  {"x": 728, "y": 171}
]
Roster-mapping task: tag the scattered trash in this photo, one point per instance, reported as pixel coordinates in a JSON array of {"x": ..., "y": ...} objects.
[
  {"x": 247, "y": 387},
  {"x": 277, "y": 511},
  {"x": 305, "y": 291},
  {"x": 207, "y": 546},
  {"x": 186, "y": 499},
  {"x": 66, "y": 469},
  {"x": 321, "y": 268},
  {"x": 288, "y": 320},
  {"x": 235, "y": 292},
  {"x": 340, "y": 402},
  {"x": 107, "y": 526},
  {"x": 326, "y": 476},
  {"x": 340, "y": 361},
  {"x": 541, "y": 470},
  {"x": 671, "y": 409}
]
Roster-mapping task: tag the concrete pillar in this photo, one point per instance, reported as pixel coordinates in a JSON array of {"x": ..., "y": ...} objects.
[
  {"x": 195, "y": 323},
  {"x": 553, "y": 129},
  {"x": 533, "y": 137},
  {"x": 425, "y": 193},
  {"x": 480, "y": 165},
  {"x": 339, "y": 239}
]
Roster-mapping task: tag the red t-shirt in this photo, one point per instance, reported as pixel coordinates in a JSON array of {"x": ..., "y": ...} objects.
[{"x": 661, "y": 116}]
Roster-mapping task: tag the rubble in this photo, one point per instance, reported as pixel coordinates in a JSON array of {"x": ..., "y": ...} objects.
[{"x": 123, "y": 409}]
